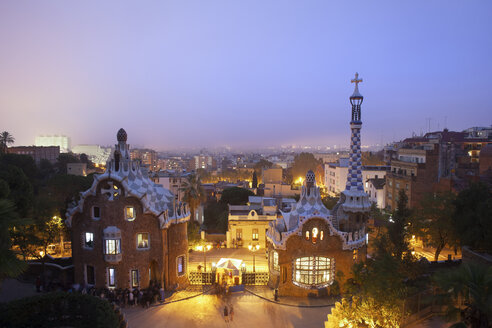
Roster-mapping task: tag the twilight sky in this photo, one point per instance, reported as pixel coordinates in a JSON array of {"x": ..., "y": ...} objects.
[{"x": 242, "y": 73}]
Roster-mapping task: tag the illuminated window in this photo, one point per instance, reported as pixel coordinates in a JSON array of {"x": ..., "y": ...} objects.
[
  {"x": 307, "y": 234},
  {"x": 315, "y": 235},
  {"x": 356, "y": 252},
  {"x": 321, "y": 235},
  {"x": 239, "y": 234},
  {"x": 181, "y": 265},
  {"x": 112, "y": 246},
  {"x": 130, "y": 213},
  {"x": 135, "y": 278},
  {"x": 313, "y": 271},
  {"x": 89, "y": 240},
  {"x": 255, "y": 234},
  {"x": 111, "y": 277},
  {"x": 143, "y": 240},
  {"x": 274, "y": 259}
]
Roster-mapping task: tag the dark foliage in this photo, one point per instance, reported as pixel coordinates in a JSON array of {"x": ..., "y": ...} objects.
[
  {"x": 59, "y": 309},
  {"x": 473, "y": 217},
  {"x": 235, "y": 196}
]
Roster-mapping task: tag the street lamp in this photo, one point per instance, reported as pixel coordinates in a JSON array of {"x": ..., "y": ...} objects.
[
  {"x": 254, "y": 249},
  {"x": 204, "y": 249}
]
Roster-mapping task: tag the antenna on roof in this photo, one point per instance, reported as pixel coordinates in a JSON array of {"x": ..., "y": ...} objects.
[{"x": 428, "y": 119}]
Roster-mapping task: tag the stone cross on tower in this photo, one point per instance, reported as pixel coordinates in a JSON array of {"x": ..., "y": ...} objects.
[{"x": 356, "y": 80}]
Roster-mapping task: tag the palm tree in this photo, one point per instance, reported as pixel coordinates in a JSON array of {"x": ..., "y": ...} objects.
[
  {"x": 10, "y": 265},
  {"x": 193, "y": 193},
  {"x": 5, "y": 139},
  {"x": 471, "y": 283}
]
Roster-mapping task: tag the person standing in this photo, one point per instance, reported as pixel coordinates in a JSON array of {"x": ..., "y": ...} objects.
[
  {"x": 226, "y": 314},
  {"x": 130, "y": 298},
  {"x": 231, "y": 312}
]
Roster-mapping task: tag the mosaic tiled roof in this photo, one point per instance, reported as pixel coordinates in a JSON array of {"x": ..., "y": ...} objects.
[{"x": 155, "y": 199}]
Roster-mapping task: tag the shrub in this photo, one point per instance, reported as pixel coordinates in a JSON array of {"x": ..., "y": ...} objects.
[{"x": 59, "y": 309}]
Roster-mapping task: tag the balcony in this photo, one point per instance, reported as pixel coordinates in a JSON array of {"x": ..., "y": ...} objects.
[{"x": 112, "y": 258}]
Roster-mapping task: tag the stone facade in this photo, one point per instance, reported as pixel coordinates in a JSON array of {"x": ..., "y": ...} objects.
[
  {"x": 298, "y": 246},
  {"x": 127, "y": 231}
]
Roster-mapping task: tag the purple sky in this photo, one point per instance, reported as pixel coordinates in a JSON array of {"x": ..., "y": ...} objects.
[{"x": 242, "y": 73}]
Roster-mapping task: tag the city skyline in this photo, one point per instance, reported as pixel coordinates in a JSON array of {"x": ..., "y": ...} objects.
[{"x": 222, "y": 74}]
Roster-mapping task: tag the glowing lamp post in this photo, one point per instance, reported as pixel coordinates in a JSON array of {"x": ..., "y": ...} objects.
[
  {"x": 254, "y": 249},
  {"x": 204, "y": 249}
]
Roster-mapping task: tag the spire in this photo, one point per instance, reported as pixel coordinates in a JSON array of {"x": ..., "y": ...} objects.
[
  {"x": 356, "y": 100},
  {"x": 355, "y": 197},
  {"x": 356, "y": 93}
]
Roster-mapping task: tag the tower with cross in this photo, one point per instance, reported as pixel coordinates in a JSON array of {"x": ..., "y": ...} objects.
[
  {"x": 353, "y": 200},
  {"x": 354, "y": 178}
]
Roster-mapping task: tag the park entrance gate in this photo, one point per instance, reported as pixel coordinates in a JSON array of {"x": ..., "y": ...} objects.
[{"x": 208, "y": 278}]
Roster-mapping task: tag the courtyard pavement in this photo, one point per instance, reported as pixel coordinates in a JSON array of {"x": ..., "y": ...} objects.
[
  {"x": 207, "y": 311},
  {"x": 252, "y": 308}
]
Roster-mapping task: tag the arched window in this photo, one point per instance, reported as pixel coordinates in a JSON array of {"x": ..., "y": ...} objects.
[
  {"x": 307, "y": 234},
  {"x": 315, "y": 235},
  {"x": 313, "y": 271},
  {"x": 321, "y": 235}
]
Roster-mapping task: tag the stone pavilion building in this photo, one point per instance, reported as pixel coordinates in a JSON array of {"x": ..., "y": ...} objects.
[
  {"x": 128, "y": 231},
  {"x": 309, "y": 245}
]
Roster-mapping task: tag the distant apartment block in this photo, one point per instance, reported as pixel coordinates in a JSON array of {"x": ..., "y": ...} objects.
[
  {"x": 77, "y": 169},
  {"x": 173, "y": 180},
  {"x": 437, "y": 161},
  {"x": 147, "y": 157},
  {"x": 202, "y": 162},
  {"x": 414, "y": 171},
  {"x": 37, "y": 153},
  {"x": 375, "y": 189},
  {"x": 97, "y": 154},
  {"x": 336, "y": 175},
  {"x": 54, "y": 140}
]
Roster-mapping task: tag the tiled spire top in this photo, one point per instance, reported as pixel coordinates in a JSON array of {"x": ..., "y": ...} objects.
[
  {"x": 310, "y": 179},
  {"x": 121, "y": 135},
  {"x": 354, "y": 177}
]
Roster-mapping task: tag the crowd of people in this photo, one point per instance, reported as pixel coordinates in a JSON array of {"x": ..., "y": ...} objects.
[{"x": 126, "y": 297}]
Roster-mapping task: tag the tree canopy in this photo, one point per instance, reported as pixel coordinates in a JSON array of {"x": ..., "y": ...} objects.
[
  {"x": 471, "y": 282},
  {"x": 235, "y": 196},
  {"x": 5, "y": 139},
  {"x": 433, "y": 221},
  {"x": 304, "y": 162},
  {"x": 473, "y": 217}
]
